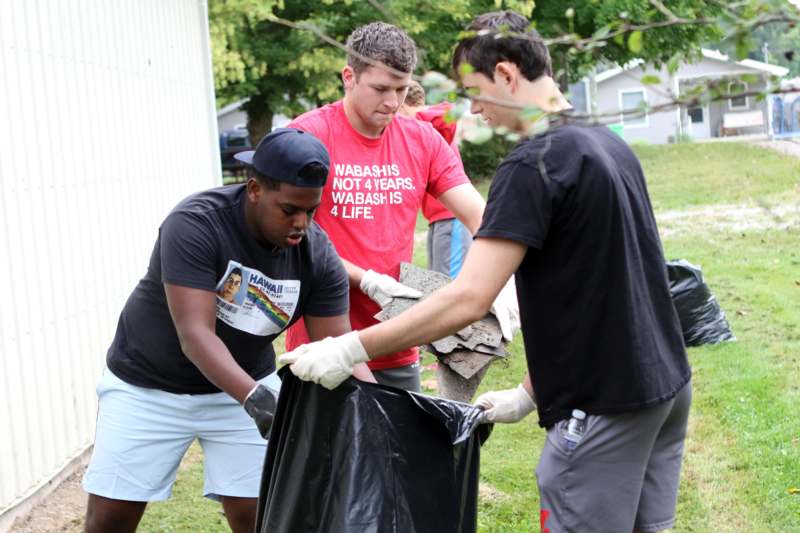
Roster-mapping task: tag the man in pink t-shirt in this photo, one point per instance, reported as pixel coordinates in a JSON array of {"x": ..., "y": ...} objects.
[{"x": 382, "y": 165}]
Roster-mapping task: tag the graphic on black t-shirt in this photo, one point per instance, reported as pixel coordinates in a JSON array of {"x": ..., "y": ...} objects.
[
  {"x": 231, "y": 290},
  {"x": 252, "y": 302}
]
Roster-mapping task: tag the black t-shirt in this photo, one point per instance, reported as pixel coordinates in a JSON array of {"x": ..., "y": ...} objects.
[
  {"x": 600, "y": 331},
  {"x": 204, "y": 243}
]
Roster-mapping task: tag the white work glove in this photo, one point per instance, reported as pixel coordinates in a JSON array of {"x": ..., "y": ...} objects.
[
  {"x": 506, "y": 309},
  {"x": 382, "y": 288},
  {"x": 327, "y": 362},
  {"x": 507, "y": 406}
]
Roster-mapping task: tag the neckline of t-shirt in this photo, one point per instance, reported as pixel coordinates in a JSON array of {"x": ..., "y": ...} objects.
[
  {"x": 248, "y": 234},
  {"x": 360, "y": 137}
]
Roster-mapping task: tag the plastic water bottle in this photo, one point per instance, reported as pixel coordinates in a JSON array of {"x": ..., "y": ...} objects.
[{"x": 575, "y": 429}]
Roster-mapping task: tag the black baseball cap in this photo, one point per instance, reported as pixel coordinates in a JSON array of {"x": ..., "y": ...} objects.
[{"x": 283, "y": 153}]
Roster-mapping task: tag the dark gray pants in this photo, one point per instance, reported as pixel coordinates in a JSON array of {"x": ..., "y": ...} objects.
[
  {"x": 622, "y": 476},
  {"x": 403, "y": 377}
]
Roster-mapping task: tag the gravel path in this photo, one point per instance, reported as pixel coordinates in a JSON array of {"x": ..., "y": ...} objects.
[{"x": 788, "y": 147}]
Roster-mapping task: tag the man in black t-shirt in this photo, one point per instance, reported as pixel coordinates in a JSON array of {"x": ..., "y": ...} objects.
[
  {"x": 569, "y": 215},
  {"x": 231, "y": 269}
]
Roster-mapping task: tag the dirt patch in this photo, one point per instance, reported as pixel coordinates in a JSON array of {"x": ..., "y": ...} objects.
[
  {"x": 487, "y": 493},
  {"x": 750, "y": 216},
  {"x": 63, "y": 510}
]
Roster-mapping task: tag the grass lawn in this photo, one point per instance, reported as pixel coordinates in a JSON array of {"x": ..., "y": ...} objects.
[
  {"x": 684, "y": 175},
  {"x": 742, "y": 464}
]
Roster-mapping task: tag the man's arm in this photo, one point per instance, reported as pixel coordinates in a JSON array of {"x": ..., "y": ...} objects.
[
  {"x": 466, "y": 203},
  {"x": 320, "y": 327},
  {"x": 489, "y": 265},
  {"x": 194, "y": 313},
  {"x": 487, "y": 268},
  {"x": 354, "y": 273}
]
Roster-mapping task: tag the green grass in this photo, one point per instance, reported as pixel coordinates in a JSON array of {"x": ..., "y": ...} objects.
[
  {"x": 743, "y": 449},
  {"x": 187, "y": 510},
  {"x": 683, "y": 175}
]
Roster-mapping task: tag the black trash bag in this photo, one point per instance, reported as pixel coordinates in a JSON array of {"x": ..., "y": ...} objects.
[
  {"x": 702, "y": 320},
  {"x": 369, "y": 458}
]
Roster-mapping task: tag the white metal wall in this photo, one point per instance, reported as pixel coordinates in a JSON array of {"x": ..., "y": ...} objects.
[{"x": 106, "y": 120}]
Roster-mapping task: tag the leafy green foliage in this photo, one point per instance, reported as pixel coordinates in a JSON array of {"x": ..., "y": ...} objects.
[
  {"x": 481, "y": 160},
  {"x": 284, "y": 69},
  {"x": 656, "y": 45},
  {"x": 781, "y": 41}
]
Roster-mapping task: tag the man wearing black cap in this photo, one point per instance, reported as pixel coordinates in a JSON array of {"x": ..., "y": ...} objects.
[{"x": 231, "y": 269}]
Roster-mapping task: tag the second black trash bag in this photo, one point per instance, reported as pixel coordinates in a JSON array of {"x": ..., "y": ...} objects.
[
  {"x": 702, "y": 320},
  {"x": 368, "y": 458}
]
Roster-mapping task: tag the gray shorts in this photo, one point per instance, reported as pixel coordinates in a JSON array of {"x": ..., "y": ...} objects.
[
  {"x": 403, "y": 377},
  {"x": 622, "y": 476},
  {"x": 448, "y": 243}
]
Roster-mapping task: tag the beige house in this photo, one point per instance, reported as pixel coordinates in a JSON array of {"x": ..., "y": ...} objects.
[{"x": 621, "y": 88}]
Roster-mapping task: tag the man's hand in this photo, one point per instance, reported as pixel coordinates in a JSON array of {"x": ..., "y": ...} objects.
[
  {"x": 260, "y": 404},
  {"x": 507, "y": 406},
  {"x": 382, "y": 288},
  {"x": 506, "y": 309},
  {"x": 327, "y": 362}
]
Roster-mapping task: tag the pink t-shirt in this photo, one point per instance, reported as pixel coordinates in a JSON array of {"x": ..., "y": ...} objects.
[
  {"x": 432, "y": 209},
  {"x": 370, "y": 201}
]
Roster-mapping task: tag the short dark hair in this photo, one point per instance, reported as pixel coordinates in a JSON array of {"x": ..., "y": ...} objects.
[
  {"x": 384, "y": 43},
  {"x": 266, "y": 181},
  {"x": 503, "y": 36},
  {"x": 237, "y": 271},
  {"x": 310, "y": 172}
]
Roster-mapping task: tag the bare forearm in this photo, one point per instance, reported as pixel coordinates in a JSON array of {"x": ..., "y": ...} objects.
[
  {"x": 354, "y": 273},
  {"x": 467, "y": 205},
  {"x": 447, "y": 310},
  {"x": 489, "y": 264},
  {"x": 210, "y": 355},
  {"x": 527, "y": 385}
]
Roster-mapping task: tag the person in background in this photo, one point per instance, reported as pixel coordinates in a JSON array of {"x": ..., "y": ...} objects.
[{"x": 448, "y": 239}]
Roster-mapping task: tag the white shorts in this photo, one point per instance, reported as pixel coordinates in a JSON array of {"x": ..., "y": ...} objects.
[{"x": 142, "y": 435}]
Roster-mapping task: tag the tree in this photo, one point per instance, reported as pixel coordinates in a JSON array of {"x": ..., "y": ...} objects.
[
  {"x": 779, "y": 41},
  {"x": 274, "y": 53}
]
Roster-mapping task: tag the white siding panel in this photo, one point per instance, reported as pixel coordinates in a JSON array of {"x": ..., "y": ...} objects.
[{"x": 106, "y": 121}]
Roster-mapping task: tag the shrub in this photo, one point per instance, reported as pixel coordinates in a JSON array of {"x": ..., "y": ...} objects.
[{"x": 481, "y": 160}]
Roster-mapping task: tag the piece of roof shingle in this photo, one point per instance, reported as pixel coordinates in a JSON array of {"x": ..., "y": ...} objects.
[{"x": 466, "y": 351}]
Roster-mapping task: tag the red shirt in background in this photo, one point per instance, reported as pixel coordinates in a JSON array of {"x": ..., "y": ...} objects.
[
  {"x": 370, "y": 201},
  {"x": 432, "y": 209}
]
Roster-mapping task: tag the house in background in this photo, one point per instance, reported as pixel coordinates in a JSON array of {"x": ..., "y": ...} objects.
[{"x": 620, "y": 88}]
